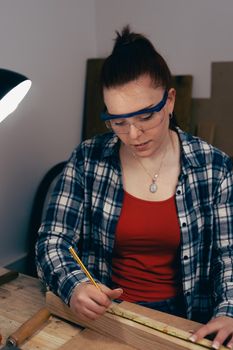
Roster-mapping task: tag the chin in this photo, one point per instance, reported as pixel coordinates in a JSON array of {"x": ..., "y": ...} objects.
[{"x": 144, "y": 154}]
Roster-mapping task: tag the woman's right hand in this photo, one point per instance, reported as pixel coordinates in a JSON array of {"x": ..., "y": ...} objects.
[{"x": 89, "y": 302}]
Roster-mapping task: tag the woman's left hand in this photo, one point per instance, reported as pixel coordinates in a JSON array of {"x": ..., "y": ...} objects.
[{"x": 222, "y": 326}]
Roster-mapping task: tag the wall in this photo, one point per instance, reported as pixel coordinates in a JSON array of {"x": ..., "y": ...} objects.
[
  {"x": 189, "y": 34},
  {"x": 49, "y": 41}
]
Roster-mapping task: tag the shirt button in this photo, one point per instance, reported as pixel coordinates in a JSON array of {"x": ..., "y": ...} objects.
[
  {"x": 186, "y": 257},
  {"x": 184, "y": 224},
  {"x": 188, "y": 294},
  {"x": 178, "y": 192}
]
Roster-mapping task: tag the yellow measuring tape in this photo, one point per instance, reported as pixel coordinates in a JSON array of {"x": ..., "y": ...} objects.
[{"x": 159, "y": 326}]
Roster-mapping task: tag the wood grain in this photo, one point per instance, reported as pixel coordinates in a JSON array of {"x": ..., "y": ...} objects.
[
  {"x": 88, "y": 339},
  {"x": 22, "y": 297},
  {"x": 54, "y": 335},
  {"x": 131, "y": 333},
  {"x": 19, "y": 300},
  {"x": 28, "y": 328}
]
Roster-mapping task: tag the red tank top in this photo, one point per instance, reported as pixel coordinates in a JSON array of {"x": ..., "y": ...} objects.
[{"x": 145, "y": 255}]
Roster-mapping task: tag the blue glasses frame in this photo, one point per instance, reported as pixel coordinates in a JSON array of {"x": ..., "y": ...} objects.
[{"x": 156, "y": 108}]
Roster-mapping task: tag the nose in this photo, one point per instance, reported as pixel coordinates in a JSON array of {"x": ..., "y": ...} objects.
[{"x": 134, "y": 132}]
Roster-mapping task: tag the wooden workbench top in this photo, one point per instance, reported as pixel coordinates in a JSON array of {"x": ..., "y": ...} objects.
[
  {"x": 19, "y": 300},
  {"x": 23, "y": 297}
]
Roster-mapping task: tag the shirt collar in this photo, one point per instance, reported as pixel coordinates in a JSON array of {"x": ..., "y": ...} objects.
[
  {"x": 191, "y": 154},
  {"x": 112, "y": 146}
]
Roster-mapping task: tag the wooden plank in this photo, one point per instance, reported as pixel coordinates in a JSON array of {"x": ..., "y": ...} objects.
[
  {"x": 183, "y": 103},
  {"x": 93, "y": 104},
  {"x": 179, "y": 322},
  {"x": 206, "y": 130},
  {"x": 126, "y": 330},
  {"x": 91, "y": 340}
]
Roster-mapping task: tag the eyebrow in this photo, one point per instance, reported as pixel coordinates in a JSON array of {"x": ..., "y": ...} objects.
[{"x": 156, "y": 108}]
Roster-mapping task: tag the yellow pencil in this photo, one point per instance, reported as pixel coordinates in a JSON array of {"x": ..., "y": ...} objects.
[{"x": 79, "y": 261}]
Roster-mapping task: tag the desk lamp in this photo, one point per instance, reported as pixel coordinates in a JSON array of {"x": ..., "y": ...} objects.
[{"x": 13, "y": 88}]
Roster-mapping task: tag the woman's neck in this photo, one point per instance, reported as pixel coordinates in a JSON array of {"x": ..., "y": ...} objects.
[{"x": 168, "y": 146}]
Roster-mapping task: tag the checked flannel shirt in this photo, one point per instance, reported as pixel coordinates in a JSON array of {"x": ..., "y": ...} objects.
[{"x": 86, "y": 204}]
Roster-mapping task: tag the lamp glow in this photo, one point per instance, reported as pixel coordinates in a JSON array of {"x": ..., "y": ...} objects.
[{"x": 13, "y": 88}]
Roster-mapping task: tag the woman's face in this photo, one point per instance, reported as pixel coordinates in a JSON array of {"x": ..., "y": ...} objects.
[{"x": 134, "y": 96}]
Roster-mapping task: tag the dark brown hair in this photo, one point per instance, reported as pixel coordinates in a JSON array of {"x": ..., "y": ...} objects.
[{"x": 134, "y": 55}]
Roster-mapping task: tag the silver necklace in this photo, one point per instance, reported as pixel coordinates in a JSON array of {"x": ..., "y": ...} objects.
[{"x": 153, "y": 186}]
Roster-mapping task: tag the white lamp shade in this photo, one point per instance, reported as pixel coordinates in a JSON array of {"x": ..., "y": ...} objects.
[{"x": 13, "y": 88}]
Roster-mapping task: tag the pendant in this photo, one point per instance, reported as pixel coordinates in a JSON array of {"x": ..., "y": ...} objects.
[{"x": 153, "y": 187}]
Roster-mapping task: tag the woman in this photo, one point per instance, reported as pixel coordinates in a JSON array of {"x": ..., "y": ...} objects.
[{"x": 148, "y": 207}]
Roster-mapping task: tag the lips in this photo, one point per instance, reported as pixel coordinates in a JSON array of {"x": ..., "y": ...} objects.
[{"x": 141, "y": 146}]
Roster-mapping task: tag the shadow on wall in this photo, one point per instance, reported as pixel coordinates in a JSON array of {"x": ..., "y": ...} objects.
[
  {"x": 27, "y": 264},
  {"x": 40, "y": 202}
]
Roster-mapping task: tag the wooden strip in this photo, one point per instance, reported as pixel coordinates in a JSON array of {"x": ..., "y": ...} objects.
[
  {"x": 91, "y": 340},
  {"x": 93, "y": 104},
  {"x": 125, "y": 329},
  {"x": 157, "y": 325}
]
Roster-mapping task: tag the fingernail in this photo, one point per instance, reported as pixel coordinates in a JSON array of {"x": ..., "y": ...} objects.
[
  {"x": 216, "y": 345},
  {"x": 193, "y": 338}
]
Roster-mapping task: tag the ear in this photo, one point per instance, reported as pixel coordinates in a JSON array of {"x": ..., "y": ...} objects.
[{"x": 171, "y": 100}]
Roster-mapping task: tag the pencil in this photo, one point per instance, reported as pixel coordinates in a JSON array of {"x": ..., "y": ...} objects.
[{"x": 79, "y": 261}]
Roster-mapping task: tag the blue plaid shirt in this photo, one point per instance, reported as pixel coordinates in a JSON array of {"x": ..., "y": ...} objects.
[{"x": 86, "y": 204}]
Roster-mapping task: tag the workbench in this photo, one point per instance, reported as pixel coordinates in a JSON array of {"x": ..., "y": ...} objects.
[
  {"x": 22, "y": 297},
  {"x": 19, "y": 300}
]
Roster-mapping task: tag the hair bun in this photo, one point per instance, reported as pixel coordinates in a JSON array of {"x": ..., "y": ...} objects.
[{"x": 125, "y": 37}]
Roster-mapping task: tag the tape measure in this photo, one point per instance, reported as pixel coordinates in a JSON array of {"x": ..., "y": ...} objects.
[{"x": 159, "y": 326}]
